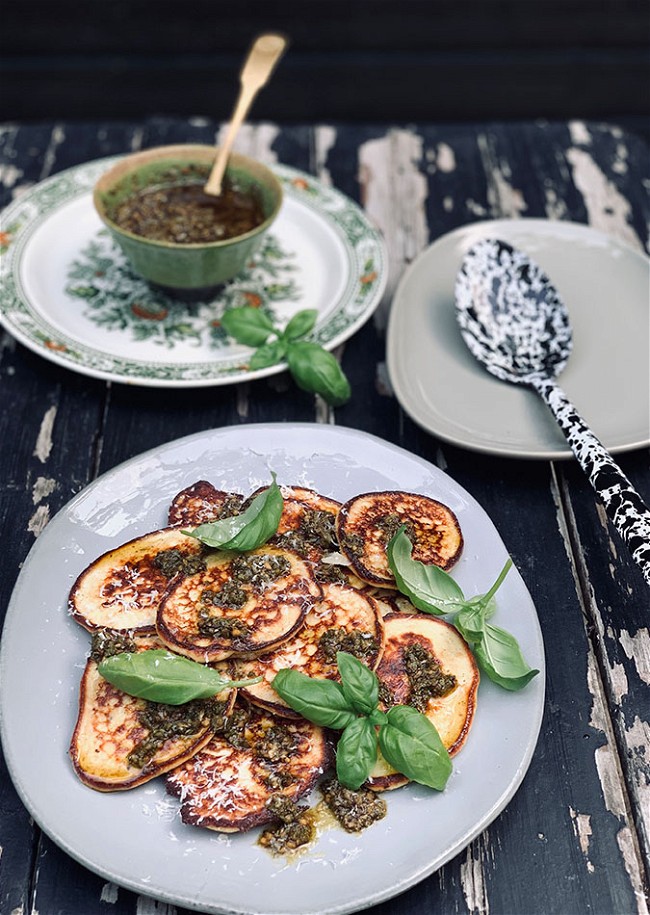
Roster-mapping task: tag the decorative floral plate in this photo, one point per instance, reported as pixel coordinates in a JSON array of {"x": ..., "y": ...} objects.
[{"x": 70, "y": 295}]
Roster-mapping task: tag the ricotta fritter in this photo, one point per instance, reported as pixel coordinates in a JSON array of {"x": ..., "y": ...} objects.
[
  {"x": 366, "y": 523},
  {"x": 345, "y": 619},
  {"x": 227, "y": 786},
  {"x": 452, "y": 710},
  {"x": 122, "y": 588},
  {"x": 201, "y": 503},
  {"x": 241, "y": 604},
  {"x": 114, "y": 745}
]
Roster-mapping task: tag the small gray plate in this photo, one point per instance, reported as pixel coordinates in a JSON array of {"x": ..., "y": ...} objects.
[{"x": 604, "y": 284}]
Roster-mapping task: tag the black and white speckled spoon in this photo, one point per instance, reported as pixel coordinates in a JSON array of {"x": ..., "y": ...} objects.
[{"x": 515, "y": 323}]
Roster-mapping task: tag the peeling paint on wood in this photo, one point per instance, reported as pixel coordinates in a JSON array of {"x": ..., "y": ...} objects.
[
  {"x": 9, "y": 175},
  {"x": 637, "y": 649},
  {"x": 556, "y": 207},
  {"x": 56, "y": 139},
  {"x": 635, "y": 736},
  {"x": 255, "y": 140},
  {"x": 43, "y": 445},
  {"x": 397, "y": 207},
  {"x": 39, "y": 520},
  {"x": 608, "y": 210},
  {"x": 136, "y": 139},
  {"x": 42, "y": 488},
  {"x": 615, "y": 803},
  {"x": 582, "y": 829},
  {"x": 472, "y": 878},
  {"x": 638, "y": 742},
  {"x": 241, "y": 393},
  {"x": 505, "y": 201},
  {"x": 110, "y": 893},
  {"x": 441, "y": 159},
  {"x": 579, "y": 133},
  {"x": 626, "y": 843},
  {"x": 147, "y": 906},
  {"x": 324, "y": 140},
  {"x": 382, "y": 380},
  {"x": 618, "y": 682},
  {"x": 604, "y": 767},
  {"x": 611, "y": 781},
  {"x": 445, "y": 158}
]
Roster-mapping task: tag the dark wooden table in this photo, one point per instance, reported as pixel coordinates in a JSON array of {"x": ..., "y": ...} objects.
[{"x": 576, "y": 836}]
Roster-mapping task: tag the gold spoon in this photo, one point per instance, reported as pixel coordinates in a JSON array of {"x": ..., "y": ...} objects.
[{"x": 264, "y": 54}]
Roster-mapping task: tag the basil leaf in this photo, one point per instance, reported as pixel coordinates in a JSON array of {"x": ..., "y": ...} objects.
[
  {"x": 247, "y": 325},
  {"x": 320, "y": 701},
  {"x": 356, "y": 753},
  {"x": 301, "y": 324},
  {"x": 268, "y": 354},
  {"x": 428, "y": 587},
  {"x": 160, "y": 676},
  {"x": 253, "y": 527},
  {"x": 486, "y": 601},
  {"x": 317, "y": 371},
  {"x": 360, "y": 685},
  {"x": 411, "y": 744},
  {"x": 377, "y": 717},
  {"x": 470, "y": 622},
  {"x": 500, "y": 656}
]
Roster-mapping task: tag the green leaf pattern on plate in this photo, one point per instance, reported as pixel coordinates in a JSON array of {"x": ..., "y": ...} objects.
[{"x": 117, "y": 299}]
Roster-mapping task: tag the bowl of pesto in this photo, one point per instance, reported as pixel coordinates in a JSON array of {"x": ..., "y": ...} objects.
[{"x": 175, "y": 234}]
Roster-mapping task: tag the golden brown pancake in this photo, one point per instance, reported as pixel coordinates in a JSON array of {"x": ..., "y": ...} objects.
[
  {"x": 217, "y": 613},
  {"x": 343, "y": 613},
  {"x": 201, "y": 503},
  {"x": 122, "y": 589},
  {"x": 311, "y": 498},
  {"x": 451, "y": 713},
  {"x": 367, "y": 522},
  {"x": 226, "y": 786},
  {"x": 111, "y": 725}
]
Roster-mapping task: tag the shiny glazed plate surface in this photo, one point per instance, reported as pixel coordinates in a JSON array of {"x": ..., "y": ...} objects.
[
  {"x": 604, "y": 284},
  {"x": 135, "y": 838},
  {"x": 69, "y": 294}
]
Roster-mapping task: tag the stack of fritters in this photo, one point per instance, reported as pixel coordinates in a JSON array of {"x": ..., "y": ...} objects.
[{"x": 322, "y": 584}]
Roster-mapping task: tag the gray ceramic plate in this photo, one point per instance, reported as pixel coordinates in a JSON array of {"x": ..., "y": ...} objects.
[
  {"x": 135, "y": 838},
  {"x": 604, "y": 284}
]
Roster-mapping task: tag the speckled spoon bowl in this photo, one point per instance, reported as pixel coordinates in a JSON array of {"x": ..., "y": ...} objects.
[{"x": 514, "y": 322}]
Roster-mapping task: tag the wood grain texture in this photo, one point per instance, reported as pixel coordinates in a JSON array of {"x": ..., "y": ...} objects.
[{"x": 575, "y": 836}]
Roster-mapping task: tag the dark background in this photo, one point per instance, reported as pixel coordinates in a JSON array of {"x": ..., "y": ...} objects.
[{"x": 392, "y": 61}]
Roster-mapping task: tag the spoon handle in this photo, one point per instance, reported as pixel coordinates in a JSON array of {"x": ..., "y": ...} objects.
[
  {"x": 625, "y": 507},
  {"x": 262, "y": 58}
]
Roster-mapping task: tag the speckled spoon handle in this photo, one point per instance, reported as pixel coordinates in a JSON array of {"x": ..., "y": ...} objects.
[{"x": 625, "y": 507}]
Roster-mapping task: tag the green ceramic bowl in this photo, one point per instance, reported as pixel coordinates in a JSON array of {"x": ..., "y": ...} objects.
[{"x": 179, "y": 266}]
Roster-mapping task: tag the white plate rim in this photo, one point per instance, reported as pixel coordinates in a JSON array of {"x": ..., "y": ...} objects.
[
  {"x": 359, "y": 239},
  {"x": 339, "y": 440},
  {"x": 417, "y": 411}
]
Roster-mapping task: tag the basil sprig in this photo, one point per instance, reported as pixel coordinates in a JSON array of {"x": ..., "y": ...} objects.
[
  {"x": 313, "y": 368},
  {"x": 433, "y": 590},
  {"x": 409, "y": 742},
  {"x": 160, "y": 676},
  {"x": 248, "y": 530}
]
